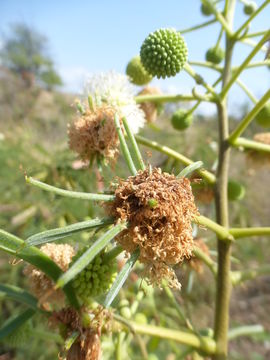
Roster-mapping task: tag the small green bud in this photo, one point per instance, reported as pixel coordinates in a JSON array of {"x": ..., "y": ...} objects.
[
  {"x": 140, "y": 318},
  {"x": 236, "y": 191},
  {"x": 250, "y": 8},
  {"x": 137, "y": 73},
  {"x": 125, "y": 312},
  {"x": 215, "y": 55},
  {"x": 164, "y": 53},
  {"x": 206, "y": 9},
  {"x": 123, "y": 303},
  {"x": 263, "y": 117},
  {"x": 181, "y": 119},
  {"x": 152, "y": 203}
]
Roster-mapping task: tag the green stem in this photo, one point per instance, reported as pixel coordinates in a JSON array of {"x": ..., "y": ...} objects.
[
  {"x": 249, "y": 117},
  {"x": 254, "y": 34},
  {"x": 238, "y": 233},
  {"x": 198, "y": 78},
  {"x": 245, "y": 331},
  {"x": 220, "y": 18},
  {"x": 247, "y": 91},
  {"x": 238, "y": 71},
  {"x": 163, "y": 98},
  {"x": 250, "y": 144},
  {"x": 197, "y": 27},
  {"x": 203, "y": 343},
  {"x": 238, "y": 277},
  {"x": 124, "y": 146},
  {"x": 242, "y": 28},
  {"x": 136, "y": 151},
  {"x": 258, "y": 63},
  {"x": 209, "y": 177},
  {"x": 206, "y": 64},
  {"x": 113, "y": 253},
  {"x": 221, "y": 231},
  {"x": 67, "y": 193},
  {"x": 253, "y": 44},
  {"x": 206, "y": 260}
]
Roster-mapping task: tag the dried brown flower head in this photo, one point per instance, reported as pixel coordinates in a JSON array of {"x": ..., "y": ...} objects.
[
  {"x": 149, "y": 108},
  {"x": 259, "y": 159},
  {"x": 195, "y": 263},
  {"x": 94, "y": 134},
  {"x": 43, "y": 287},
  {"x": 86, "y": 347},
  {"x": 159, "y": 209}
]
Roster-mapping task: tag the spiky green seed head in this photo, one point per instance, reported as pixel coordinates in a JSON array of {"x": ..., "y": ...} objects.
[
  {"x": 215, "y": 55},
  {"x": 20, "y": 336},
  {"x": 95, "y": 279},
  {"x": 206, "y": 9},
  {"x": 250, "y": 8},
  {"x": 263, "y": 117},
  {"x": 181, "y": 119},
  {"x": 137, "y": 73},
  {"x": 236, "y": 191},
  {"x": 164, "y": 53}
]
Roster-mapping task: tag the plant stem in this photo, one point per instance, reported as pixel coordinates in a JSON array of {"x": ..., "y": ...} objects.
[
  {"x": 223, "y": 282},
  {"x": 244, "y": 331},
  {"x": 238, "y": 71},
  {"x": 247, "y": 91},
  {"x": 247, "y": 232},
  {"x": 221, "y": 231},
  {"x": 197, "y": 27},
  {"x": 254, "y": 34},
  {"x": 238, "y": 277},
  {"x": 206, "y": 259},
  {"x": 250, "y": 144},
  {"x": 209, "y": 177},
  {"x": 67, "y": 193},
  {"x": 253, "y": 44},
  {"x": 249, "y": 117},
  {"x": 198, "y": 78},
  {"x": 163, "y": 98}
]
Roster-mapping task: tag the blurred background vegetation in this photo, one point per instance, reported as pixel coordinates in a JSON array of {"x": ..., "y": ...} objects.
[{"x": 34, "y": 114}]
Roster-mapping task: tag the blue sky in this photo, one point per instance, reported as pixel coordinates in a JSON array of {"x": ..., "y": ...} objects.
[{"x": 91, "y": 36}]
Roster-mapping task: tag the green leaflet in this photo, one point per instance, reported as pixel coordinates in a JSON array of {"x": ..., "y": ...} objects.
[
  {"x": 60, "y": 233},
  {"x": 190, "y": 169},
  {"x": 20, "y": 295}
]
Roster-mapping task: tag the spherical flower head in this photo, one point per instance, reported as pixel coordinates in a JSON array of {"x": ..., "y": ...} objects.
[
  {"x": 250, "y": 8},
  {"x": 206, "y": 9},
  {"x": 263, "y": 117},
  {"x": 93, "y": 134},
  {"x": 96, "y": 278},
  {"x": 215, "y": 55},
  {"x": 150, "y": 109},
  {"x": 137, "y": 73},
  {"x": 164, "y": 53},
  {"x": 43, "y": 287},
  {"x": 162, "y": 232},
  {"x": 181, "y": 119},
  {"x": 236, "y": 191},
  {"x": 116, "y": 91}
]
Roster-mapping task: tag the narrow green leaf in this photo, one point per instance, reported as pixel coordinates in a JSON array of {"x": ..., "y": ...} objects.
[
  {"x": 89, "y": 255},
  {"x": 60, "y": 233},
  {"x": 137, "y": 155},
  {"x": 18, "y": 294},
  {"x": 121, "y": 278},
  {"x": 124, "y": 146},
  {"x": 15, "y": 246},
  {"x": 67, "y": 193},
  {"x": 14, "y": 323},
  {"x": 190, "y": 169}
]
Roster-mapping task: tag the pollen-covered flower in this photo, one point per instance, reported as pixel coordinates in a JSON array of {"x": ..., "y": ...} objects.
[
  {"x": 159, "y": 209},
  {"x": 43, "y": 287},
  {"x": 115, "y": 90},
  {"x": 150, "y": 108},
  {"x": 96, "y": 278}
]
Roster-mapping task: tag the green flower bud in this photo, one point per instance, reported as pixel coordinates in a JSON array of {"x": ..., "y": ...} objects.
[
  {"x": 250, "y": 8},
  {"x": 215, "y": 55},
  {"x": 125, "y": 312},
  {"x": 263, "y": 117},
  {"x": 152, "y": 203},
  {"x": 181, "y": 119},
  {"x": 123, "y": 303},
  {"x": 95, "y": 279},
  {"x": 236, "y": 191},
  {"x": 164, "y": 53},
  {"x": 20, "y": 336},
  {"x": 140, "y": 318},
  {"x": 137, "y": 73},
  {"x": 206, "y": 10}
]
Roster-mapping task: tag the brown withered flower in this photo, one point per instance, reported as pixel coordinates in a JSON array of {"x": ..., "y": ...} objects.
[
  {"x": 43, "y": 287},
  {"x": 149, "y": 108},
  {"x": 93, "y": 134},
  {"x": 259, "y": 159},
  {"x": 159, "y": 209}
]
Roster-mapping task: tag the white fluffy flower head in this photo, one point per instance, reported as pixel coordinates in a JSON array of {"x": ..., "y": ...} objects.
[{"x": 116, "y": 90}]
